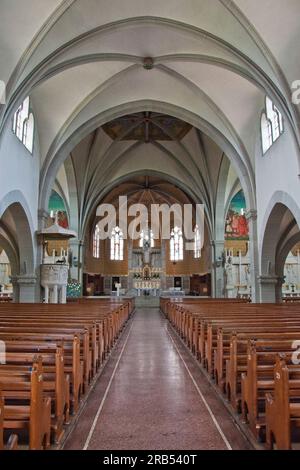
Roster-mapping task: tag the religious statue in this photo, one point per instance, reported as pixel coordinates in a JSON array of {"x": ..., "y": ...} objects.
[{"x": 229, "y": 272}]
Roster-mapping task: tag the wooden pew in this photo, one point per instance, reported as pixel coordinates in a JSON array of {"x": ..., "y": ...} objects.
[
  {"x": 25, "y": 407},
  {"x": 12, "y": 443},
  {"x": 56, "y": 382},
  {"x": 259, "y": 379},
  {"x": 242, "y": 350},
  {"x": 73, "y": 341},
  {"x": 283, "y": 406},
  {"x": 219, "y": 335},
  {"x": 73, "y": 365}
]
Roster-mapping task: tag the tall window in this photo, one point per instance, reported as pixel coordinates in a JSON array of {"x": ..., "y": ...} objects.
[
  {"x": 147, "y": 238},
  {"x": 266, "y": 133},
  {"x": 197, "y": 243},
  {"x": 271, "y": 125},
  {"x": 176, "y": 245},
  {"x": 23, "y": 124},
  {"x": 96, "y": 243},
  {"x": 117, "y": 245}
]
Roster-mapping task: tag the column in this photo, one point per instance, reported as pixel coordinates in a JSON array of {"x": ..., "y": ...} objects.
[
  {"x": 46, "y": 295},
  {"x": 16, "y": 290},
  {"x": 42, "y": 223},
  {"x": 130, "y": 267},
  {"x": 256, "y": 285},
  {"x": 54, "y": 299},
  {"x": 63, "y": 294},
  {"x": 27, "y": 288},
  {"x": 74, "y": 246},
  {"x": 163, "y": 278},
  {"x": 270, "y": 286},
  {"x": 218, "y": 268}
]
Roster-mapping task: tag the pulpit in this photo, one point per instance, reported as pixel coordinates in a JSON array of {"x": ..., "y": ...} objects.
[
  {"x": 55, "y": 268},
  {"x": 54, "y": 280}
]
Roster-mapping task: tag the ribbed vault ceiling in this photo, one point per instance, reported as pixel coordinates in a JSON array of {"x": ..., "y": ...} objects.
[{"x": 213, "y": 62}]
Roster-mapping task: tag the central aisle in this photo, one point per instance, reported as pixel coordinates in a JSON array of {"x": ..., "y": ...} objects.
[{"x": 153, "y": 396}]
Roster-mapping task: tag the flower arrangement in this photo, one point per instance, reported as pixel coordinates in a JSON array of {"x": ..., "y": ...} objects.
[{"x": 73, "y": 289}]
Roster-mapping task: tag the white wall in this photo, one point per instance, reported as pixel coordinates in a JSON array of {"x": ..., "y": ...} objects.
[
  {"x": 276, "y": 172},
  {"x": 19, "y": 173}
]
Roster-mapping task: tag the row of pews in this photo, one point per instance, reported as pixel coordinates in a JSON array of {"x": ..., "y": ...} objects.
[
  {"x": 49, "y": 357},
  {"x": 251, "y": 352}
]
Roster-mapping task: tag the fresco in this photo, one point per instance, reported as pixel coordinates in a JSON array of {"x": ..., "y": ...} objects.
[
  {"x": 56, "y": 204},
  {"x": 236, "y": 227}
]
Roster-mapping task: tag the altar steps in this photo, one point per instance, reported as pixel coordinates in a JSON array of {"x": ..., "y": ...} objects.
[{"x": 147, "y": 301}]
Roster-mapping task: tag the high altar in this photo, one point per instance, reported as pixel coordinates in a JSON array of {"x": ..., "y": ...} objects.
[{"x": 146, "y": 269}]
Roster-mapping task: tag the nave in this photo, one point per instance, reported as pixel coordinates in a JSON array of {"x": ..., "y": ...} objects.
[{"x": 152, "y": 395}]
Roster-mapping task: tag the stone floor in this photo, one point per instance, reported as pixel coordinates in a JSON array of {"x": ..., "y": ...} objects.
[{"x": 152, "y": 395}]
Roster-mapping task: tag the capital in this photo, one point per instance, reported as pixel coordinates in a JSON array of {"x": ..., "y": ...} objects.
[
  {"x": 269, "y": 280},
  {"x": 251, "y": 215},
  {"x": 24, "y": 279}
]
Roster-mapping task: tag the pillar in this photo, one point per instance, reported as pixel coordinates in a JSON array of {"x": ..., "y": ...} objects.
[
  {"x": 54, "y": 299},
  {"x": 256, "y": 284},
  {"x": 218, "y": 281},
  {"x": 16, "y": 290},
  {"x": 26, "y": 287},
  {"x": 74, "y": 246},
  {"x": 46, "y": 295},
  {"x": 268, "y": 287},
  {"x": 63, "y": 295},
  {"x": 77, "y": 266}
]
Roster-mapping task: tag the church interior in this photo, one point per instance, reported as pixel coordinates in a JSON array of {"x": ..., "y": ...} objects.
[{"x": 110, "y": 341}]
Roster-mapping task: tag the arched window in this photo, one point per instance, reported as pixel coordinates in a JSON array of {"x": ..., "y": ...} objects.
[
  {"x": 23, "y": 125},
  {"x": 266, "y": 133},
  {"x": 176, "y": 245},
  {"x": 117, "y": 245},
  {"x": 147, "y": 239},
  {"x": 96, "y": 243},
  {"x": 197, "y": 243},
  {"x": 271, "y": 125},
  {"x": 29, "y": 132}
]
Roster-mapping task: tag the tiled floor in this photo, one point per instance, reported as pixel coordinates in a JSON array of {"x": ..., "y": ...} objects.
[{"x": 155, "y": 398}]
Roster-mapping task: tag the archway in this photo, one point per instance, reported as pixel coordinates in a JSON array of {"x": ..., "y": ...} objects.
[
  {"x": 146, "y": 267},
  {"x": 280, "y": 236},
  {"x": 290, "y": 270},
  {"x": 186, "y": 169},
  {"x": 16, "y": 238},
  {"x": 53, "y": 163}
]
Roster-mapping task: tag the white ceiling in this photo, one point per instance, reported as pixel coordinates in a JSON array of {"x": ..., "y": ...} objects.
[{"x": 214, "y": 61}]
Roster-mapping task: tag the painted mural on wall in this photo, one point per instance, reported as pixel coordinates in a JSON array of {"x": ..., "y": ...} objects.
[
  {"x": 56, "y": 204},
  {"x": 236, "y": 227}
]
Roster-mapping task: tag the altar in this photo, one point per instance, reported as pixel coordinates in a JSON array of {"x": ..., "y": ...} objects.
[
  {"x": 147, "y": 287},
  {"x": 146, "y": 268}
]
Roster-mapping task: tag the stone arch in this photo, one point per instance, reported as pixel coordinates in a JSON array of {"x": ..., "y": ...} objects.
[
  {"x": 49, "y": 172},
  {"x": 194, "y": 197},
  {"x": 11, "y": 252},
  {"x": 16, "y": 218},
  {"x": 280, "y": 233}
]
